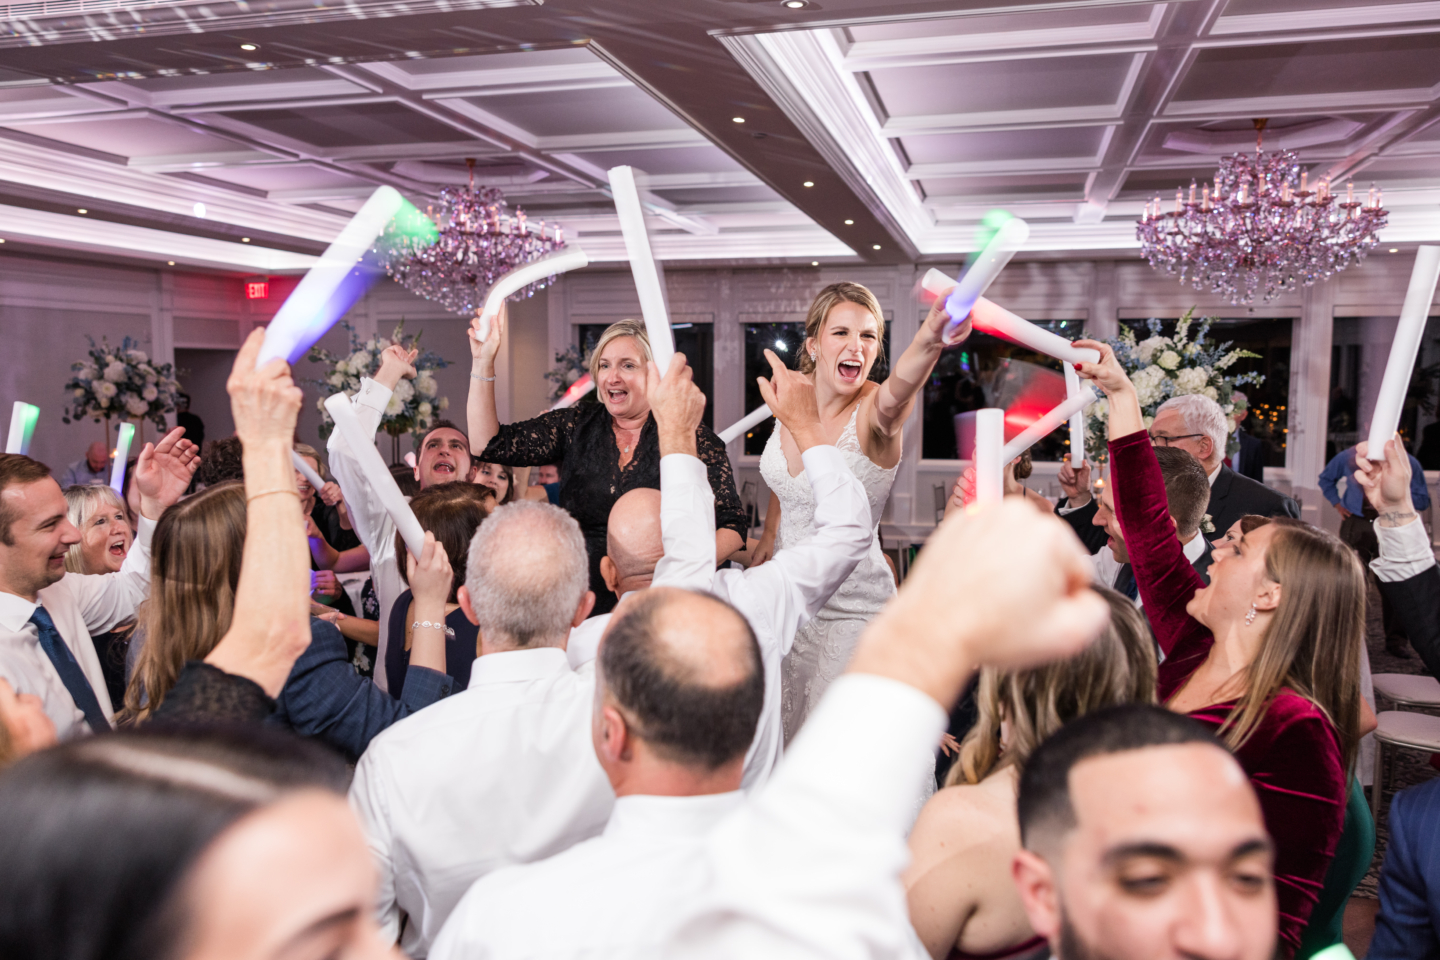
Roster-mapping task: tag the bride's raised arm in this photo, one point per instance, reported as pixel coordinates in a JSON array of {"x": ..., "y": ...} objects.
[{"x": 896, "y": 396}]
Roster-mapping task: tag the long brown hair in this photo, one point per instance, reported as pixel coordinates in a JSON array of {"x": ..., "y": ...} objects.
[
  {"x": 1315, "y": 638},
  {"x": 827, "y": 300},
  {"x": 453, "y": 512},
  {"x": 1119, "y": 667},
  {"x": 194, "y": 571}
]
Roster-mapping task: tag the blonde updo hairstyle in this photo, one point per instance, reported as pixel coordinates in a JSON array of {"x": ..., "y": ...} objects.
[
  {"x": 827, "y": 300},
  {"x": 621, "y": 328}
]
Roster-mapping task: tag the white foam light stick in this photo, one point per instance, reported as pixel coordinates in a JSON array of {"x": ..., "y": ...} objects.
[
  {"x": 1077, "y": 421},
  {"x": 23, "y": 417},
  {"x": 409, "y": 459},
  {"x": 303, "y": 318},
  {"x": 1043, "y": 427},
  {"x": 982, "y": 272},
  {"x": 936, "y": 283},
  {"x": 363, "y": 449},
  {"x": 122, "y": 454},
  {"x": 642, "y": 266},
  {"x": 562, "y": 261},
  {"x": 994, "y": 319},
  {"x": 751, "y": 419},
  {"x": 572, "y": 395},
  {"x": 1403, "y": 349},
  {"x": 988, "y": 461},
  {"x": 306, "y": 471}
]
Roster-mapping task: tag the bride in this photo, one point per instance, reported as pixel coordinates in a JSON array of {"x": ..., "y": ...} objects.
[{"x": 843, "y": 337}]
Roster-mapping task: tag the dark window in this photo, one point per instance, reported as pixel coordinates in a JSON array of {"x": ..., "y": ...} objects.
[{"x": 695, "y": 340}]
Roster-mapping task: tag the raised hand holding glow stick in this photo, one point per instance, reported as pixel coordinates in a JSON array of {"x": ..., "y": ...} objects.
[
  {"x": 363, "y": 449},
  {"x": 1077, "y": 422},
  {"x": 576, "y": 390},
  {"x": 996, "y": 320},
  {"x": 642, "y": 265},
  {"x": 122, "y": 454},
  {"x": 23, "y": 417},
  {"x": 1042, "y": 428},
  {"x": 981, "y": 272},
  {"x": 306, "y": 471},
  {"x": 759, "y": 415},
  {"x": 561, "y": 261},
  {"x": 988, "y": 459},
  {"x": 1405, "y": 347}
]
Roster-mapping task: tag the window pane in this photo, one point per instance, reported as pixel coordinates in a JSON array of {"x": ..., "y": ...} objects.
[
  {"x": 986, "y": 371},
  {"x": 695, "y": 340}
]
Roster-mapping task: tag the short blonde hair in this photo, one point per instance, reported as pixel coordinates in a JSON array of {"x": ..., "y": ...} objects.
[
  {"x": 81, "y": 503},
  {"x": 827, "y": 300},
  {"x": 622, "y": 328}
]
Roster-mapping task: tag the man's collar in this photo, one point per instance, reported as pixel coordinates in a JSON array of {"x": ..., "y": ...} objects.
[
  {"x": 15, "y": 611},
  {"x": 1215, "y": 473}
]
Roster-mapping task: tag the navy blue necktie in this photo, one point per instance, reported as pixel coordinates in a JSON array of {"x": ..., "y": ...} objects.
[
  {"x": 70, "y": 673},
  {"x": 1125, "y": 582}
]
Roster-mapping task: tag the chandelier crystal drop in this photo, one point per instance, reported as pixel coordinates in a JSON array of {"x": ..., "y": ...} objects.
[
  {"x": 1260, "y": 228},
  {"x": 479, "y": 242}
]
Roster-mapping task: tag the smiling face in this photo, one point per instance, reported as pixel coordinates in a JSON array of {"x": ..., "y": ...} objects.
[
  {"x": 620, "y": 380},
  {"x": 1105, "y": 517},
  {"x": 493, "y": 476},
  {"x": 105, "y": 538},
  {"x": 307, "y": 492},
  {"x": 32, "y": 555},
  {"x": 444, "y": 458},
  {"x": 1238, "y": 576},
  {"x": 846, "y": 347}
]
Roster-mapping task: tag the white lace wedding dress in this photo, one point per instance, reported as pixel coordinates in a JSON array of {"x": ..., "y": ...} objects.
[{"x": 823, "y": 646}]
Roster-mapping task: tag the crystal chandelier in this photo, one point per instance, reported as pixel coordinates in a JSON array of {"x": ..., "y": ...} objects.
[
  {"x": 479, "y": 242},
  {"x": 1259, "y": 228}
]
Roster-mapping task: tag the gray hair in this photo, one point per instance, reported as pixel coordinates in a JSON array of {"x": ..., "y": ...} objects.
[
  {"x": 1200, "y": 414},
  {"x": 526, "y": 572},
  {"x": 82, "y": 502}
]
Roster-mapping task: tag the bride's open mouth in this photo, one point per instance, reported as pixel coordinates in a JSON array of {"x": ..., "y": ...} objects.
[{"x": 850, "y": 370}]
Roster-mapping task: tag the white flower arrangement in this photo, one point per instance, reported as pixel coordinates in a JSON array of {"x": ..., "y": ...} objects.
[
  {"x": 120, "y": 382},
  {"x": 413, "y": 406}
]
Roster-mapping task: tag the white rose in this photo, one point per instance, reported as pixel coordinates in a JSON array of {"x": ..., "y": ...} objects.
[
  {"x": 337, "y": 380},
  {"x": 444, "y": 403},
  {"x": 89, "y": 371},
  {"x": 136, "y": 356},
  {"x": 79, "y": 393},
  {"x": 136, "y": 407},
  {"x": 342, "y": 366},
  {"x": 405, "y": 391},
  {"x": 105, "y": 390},
  {"x": 1213, "y": 394},
  {"x": 1145, "y": 350},
  {"x": 394, "y": 407},
  {"x": 425, "y": 409},
  {"x": 1169, "y": 360},
  {"x": 149, "y": 394},
  {"x": 425, "y": 385},
  {"x": 115, "y": 371}
]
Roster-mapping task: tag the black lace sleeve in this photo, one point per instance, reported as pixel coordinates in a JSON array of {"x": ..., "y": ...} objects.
[
  {"x": 208, "y": 694},
  {"x": 533, "y": 443},
  {"x": 729, "y": 514}
]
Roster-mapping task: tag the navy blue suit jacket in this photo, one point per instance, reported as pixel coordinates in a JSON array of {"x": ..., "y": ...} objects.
[
  {"x": 1406, "y": 926},
  {"x": 325, "y": 698}
]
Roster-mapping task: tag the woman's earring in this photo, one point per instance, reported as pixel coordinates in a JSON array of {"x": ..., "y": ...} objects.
[
  {"x": 1250, "y": 617},
  {"x": 812, "y": 354}
]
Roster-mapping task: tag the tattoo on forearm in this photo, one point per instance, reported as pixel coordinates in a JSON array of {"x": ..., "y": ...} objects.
[{"x": 1394, "y": 518}]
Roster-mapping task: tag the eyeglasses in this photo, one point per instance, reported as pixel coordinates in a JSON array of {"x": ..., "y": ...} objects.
[{"x": 1164, "y": 441}]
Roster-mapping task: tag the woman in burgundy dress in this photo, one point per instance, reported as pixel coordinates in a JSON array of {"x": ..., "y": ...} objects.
[{"x": 1268, "y": 653}]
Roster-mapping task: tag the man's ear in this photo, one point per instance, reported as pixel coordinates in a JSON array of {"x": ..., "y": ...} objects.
[
  {"x": 582, "y": 612},
  {"x": 1175, "y": 524},
  {"x": 613, "y": 742},
  {"x": 1035, "y": 882},
  {"x": 610, "y": 574},
  {"x": 463, "y": 596},
  {"x": 417, "y": 469}
]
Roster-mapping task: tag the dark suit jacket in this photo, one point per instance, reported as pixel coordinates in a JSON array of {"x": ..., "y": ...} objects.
[
  {"x": 1233, "y": 496},
  {"x": 325, "y": 698},
  {"x": 1406, "y": 927},
  {"x": 1082, "y": 521},
  {"x": 1252, "y": 456},
  {"x": 1416, "y": 602}
]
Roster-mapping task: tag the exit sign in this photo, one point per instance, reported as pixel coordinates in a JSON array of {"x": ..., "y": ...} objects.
[{"x": 257, "y": 289}]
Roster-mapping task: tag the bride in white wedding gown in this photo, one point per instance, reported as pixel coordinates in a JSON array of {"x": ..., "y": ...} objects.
[{"x": 843, "y": 337}]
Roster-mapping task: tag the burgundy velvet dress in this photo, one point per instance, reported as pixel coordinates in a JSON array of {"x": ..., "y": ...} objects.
[{"x": 1293, "y": 757}]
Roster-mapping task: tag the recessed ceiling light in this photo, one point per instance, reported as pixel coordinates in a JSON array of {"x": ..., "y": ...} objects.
[
  {"x": 809, "y": 183},
  {"x": 1394, "y": 249},
  {"x": 849, "y": 223},
  {"x": 198, "y": 209},
  {"x": 796, "y": 4},
  {"x": 813, "y": 263},
  {"x": 244, "y": 239},
  {"x": 875, "y": 247},
  {"x": 737, "y": 119},
  {"x": 82, "y": 210},
  {"x": 249, "y": 46},
  {"x": 170, "y": 262},
  {"x": 2, "y": 239}
]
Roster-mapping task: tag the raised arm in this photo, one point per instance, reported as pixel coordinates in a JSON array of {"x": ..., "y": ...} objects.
[
  {"x": 687, "y": 504},
  {"x": 371, "y": 522},
  {"x": 896, "y": 396},
  {"x": 481, "y": 420}
]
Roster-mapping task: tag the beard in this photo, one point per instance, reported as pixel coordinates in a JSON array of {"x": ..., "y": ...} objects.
[{"x": 1072, "y": 946}]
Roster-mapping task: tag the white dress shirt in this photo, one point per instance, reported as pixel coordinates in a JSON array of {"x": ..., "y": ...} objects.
[
  {"x": 615, "y": 896},
  {"x": 1404, "y": 551},
  {"x": 81, "y": 606},
  {"x": 810, "y": 865},
  {"x": 368, "y": 516},
  {"x": 503, "y": 772}
]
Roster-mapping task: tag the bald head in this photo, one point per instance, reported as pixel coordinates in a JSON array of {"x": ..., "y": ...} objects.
[
  {"x": 685, "y": 667},
  {"x": 632, "y": 539},
  {"x": 96, "y": 456}
]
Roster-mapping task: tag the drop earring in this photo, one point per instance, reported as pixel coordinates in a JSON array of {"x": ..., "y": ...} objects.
[
  {"x": 1250, "y": 617},
  {"x": 812, "y": 355}
]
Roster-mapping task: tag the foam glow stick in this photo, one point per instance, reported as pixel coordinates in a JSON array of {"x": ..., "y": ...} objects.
[
  {"x": 23, "y": 417},
  {"x": 642, "y": 266},
  {"x": 1042, "y": 428},
  {"x": 988, "y": 460},
  {"x": 737, "y": 429},
  {"x": 578, "y": 389},
  {"x": 306, "y": 471},
  {"x": 562, "y": 261},
  {"x": 1403, "y": 349},
  {"x": 122, "y": 454},
  {"x": 409, "y": 459},
  {"x": 363, "y": 449},
  {"x": 1077, "y": 422},
  {"x": 313, "y": 306},
  {"x": 935, "y": 283},
  {"x": 981, "y": 272},
  {"x": 997, "y": 321}
]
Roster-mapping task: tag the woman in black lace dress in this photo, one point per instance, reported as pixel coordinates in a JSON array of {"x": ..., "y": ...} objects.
[{"x": 604, "y": 449}]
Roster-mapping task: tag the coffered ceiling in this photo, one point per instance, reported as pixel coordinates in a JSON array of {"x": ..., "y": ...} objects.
[{"x": 240, "y": 135}]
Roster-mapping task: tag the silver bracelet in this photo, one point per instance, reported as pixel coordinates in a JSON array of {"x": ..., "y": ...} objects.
[
  {"x": 427, "y": 625},
  {"x": 475, "y": 376}
]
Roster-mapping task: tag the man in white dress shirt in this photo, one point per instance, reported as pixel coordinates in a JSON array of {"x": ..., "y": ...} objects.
[
  {"x": 444, "y": 458},
  {"x": 633, "y": 549},
  {"x": 47, "y": 616},
  {"x": 679, "y": 688},
  {"x": 504, "y": 771}
]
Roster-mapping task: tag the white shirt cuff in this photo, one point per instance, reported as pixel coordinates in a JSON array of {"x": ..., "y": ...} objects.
[
  {"x": 682, "y": 468},
  {"x": 144, "y": 532},
  {"x": 1404, "y": 551},
  {"x": 1066, "y": 510},
  {"x": 373, "y": 395},
  {"x": 823, "y": 459}
]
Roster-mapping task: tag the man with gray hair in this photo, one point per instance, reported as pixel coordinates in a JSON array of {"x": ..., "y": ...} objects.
[
  {"x": 504, "y": 771},
  {"x": 1197, "y": 425}
]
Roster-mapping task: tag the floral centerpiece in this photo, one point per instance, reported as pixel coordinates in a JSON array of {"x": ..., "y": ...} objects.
[
  {"x": 1163, "y": 367},
  {"x": 120, "y": 382},
  {"x": 569, "y": 366},
  {"x": 413, "y": 407}
]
